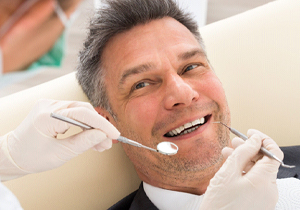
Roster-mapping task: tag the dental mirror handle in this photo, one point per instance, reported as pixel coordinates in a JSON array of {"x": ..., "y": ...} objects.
[
  {"x": 133, "y": 143},
  {"x": 82, "y": 125}
]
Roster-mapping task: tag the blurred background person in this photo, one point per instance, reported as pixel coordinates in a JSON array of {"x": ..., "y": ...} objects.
[{"x": 32, "y": 32}]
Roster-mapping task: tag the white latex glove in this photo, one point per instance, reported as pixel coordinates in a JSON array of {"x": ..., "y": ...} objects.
[
  {"x": 33, "y": 147},
  {"x": 247, "y": 179}
]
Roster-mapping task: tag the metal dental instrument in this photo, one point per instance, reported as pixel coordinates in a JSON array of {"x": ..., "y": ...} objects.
[
  {"x": 262, "y": 149},
  {"x": 166, "y": 148}
]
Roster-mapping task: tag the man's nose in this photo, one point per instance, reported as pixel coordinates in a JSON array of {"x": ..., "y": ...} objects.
[{"x": 179, "y": 92}]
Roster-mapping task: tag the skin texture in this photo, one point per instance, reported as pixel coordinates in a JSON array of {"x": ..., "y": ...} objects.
[{"x": 158, "y": 78}]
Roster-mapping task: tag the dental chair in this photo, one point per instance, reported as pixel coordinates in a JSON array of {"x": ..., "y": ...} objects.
[{"x": 256, "y": 55}]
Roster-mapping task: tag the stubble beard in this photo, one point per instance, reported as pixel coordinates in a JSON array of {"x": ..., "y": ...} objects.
[{"x": 180, "y": 168}]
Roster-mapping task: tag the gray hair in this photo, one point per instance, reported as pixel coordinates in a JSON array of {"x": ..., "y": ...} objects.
[{"x": 115, "y": 17}]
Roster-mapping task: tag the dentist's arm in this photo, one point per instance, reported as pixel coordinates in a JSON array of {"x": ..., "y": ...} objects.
[
  {"x": 33, "y": 146},
  {"x": 247, "y": 179}
]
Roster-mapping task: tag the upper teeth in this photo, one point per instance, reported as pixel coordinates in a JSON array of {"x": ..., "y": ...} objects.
[{"x": 186, "y": 127}]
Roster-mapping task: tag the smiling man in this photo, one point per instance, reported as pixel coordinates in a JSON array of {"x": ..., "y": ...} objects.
[
  {"x": 145, "y": 69},
  {"x": 162, "y": 89}
]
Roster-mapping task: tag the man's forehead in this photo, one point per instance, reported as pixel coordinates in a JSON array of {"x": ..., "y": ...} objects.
[
  {"x": 164, "y": 28},
  {"x": 138, "y": 45}
]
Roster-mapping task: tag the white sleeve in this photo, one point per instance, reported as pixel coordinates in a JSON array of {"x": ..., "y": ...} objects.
[
  {"x": 8, "y": 200},
  {"x": 8, "y": 168}
]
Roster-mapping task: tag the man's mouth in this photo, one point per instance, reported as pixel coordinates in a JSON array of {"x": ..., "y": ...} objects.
[{"x": 188, "y": 127}]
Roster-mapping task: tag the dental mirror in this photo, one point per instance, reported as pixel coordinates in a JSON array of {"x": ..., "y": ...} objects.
[{"x": 165, "y": 147}]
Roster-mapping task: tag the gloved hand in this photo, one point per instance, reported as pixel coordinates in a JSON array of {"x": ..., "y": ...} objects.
[
  {"x": 33, "y": 147},
  {"x": 247, "y": 179}
]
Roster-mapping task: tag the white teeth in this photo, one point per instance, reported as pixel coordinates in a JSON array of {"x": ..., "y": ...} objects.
[
  {"x": 185, "y": 127},
  {"x": 178, "y": 130},
  {"x": 197, "y": 121},
  {"x": 202, "y": 120},
  {"x": 181, "y": 128}
]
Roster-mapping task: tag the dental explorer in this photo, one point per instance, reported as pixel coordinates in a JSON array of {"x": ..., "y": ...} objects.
[
  {"x": 166, "y": 148},
  {"x": 262, "y": 149}
]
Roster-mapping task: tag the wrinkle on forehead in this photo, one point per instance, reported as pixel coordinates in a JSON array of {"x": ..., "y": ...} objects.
[
  {"x": 151, "y": 65},
  {"x": 139, "y": 37},
  {"x": 143, "y": 47},
  {"x": 136, "y": 70}
]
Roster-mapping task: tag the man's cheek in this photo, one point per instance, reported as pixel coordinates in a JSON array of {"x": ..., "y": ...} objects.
[
  {"x": 214, "y": 89},
  {"x": 142, "y": 114}
]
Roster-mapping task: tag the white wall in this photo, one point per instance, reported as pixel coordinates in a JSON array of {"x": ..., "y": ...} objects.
[{"x": 198, "y": 8}]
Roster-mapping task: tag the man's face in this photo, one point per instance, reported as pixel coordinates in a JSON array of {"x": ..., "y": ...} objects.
[{"x": 159, "y": 82}]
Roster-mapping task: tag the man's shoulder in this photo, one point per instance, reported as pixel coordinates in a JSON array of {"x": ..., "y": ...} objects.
[
  {"x": 137, "y": 200},
  {"x": 125, "y": 203},
  {"x": 291, "y": 157}
]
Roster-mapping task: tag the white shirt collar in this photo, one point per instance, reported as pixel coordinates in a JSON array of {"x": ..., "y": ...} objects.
[{"x": 166, "y": 199}]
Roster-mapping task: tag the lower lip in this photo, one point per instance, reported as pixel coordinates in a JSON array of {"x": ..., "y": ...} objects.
[{"x": 193, "y": 133}]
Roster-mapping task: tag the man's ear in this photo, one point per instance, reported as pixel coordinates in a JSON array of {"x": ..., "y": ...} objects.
[{"x": 105, "y": 114}]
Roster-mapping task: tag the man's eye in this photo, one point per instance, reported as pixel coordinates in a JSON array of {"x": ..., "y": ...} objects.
[
  {"x": 141, "y": 85},
  {"x": 191, "y": 67}
]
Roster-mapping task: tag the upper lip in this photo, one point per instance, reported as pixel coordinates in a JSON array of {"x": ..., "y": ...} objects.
[{"x": 185, "y": 122}]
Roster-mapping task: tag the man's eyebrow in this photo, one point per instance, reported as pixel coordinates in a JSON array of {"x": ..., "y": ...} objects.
[
  {"x": 147, "y": 66},
  {"x": 135, "y": 70},
  {"x": 191, "y": 53}
]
